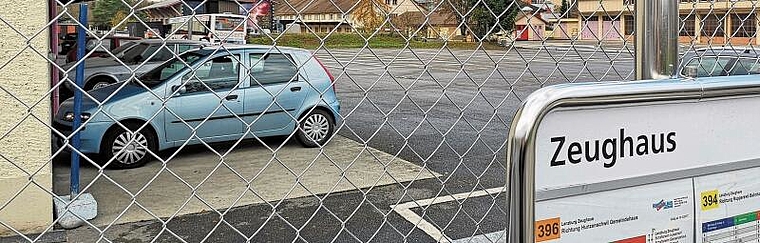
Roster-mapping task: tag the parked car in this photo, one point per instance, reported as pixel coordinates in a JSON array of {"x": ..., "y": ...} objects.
[
  {"x": 142, "y": 57},
  {"x": 109, "y": 44},
  {"x": 210, "y": 95},
  {"x": 721, "y": 61},
  {"x": 66, "y": 41}
]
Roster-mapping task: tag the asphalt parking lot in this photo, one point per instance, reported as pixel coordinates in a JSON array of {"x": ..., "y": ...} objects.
[{"x": 446, "y": 112}]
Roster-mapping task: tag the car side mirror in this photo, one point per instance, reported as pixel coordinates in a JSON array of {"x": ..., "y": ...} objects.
[{"x": 179, "y": 89}]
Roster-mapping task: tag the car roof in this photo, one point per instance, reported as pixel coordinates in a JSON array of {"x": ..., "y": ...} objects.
[
  {"x": 236, "y": 47},
  {"x": 171, "y": 41},
  {"x": 726, "y": 51},
  {"x": 260, "y": 47}
]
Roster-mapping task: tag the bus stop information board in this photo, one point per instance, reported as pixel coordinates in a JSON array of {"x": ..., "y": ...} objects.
[{"x": 649, "y": 147}]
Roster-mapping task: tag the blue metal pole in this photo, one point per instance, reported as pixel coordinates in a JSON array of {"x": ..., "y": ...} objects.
[{"x": 81, "y": 39}]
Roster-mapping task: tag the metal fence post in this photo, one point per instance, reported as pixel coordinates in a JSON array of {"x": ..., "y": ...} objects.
[
  {"x": 81, "y": 42},
  {"x": 656, "y": 39}
]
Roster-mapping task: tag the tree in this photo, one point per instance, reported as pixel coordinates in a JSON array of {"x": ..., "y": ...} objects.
[
  {"x": 369, "y": 13},
  {"x": 117, "y": 18},
  {"x": 568, "y": 9},
  {"x": 105, "y": 13},
  {"x": 563, "y": 8},
  {"x": 501, "y": 16},
  {"x": 454, "y": 9},
  {"x": 486, "y": 17},
  {"x": 408, "y": 22}
]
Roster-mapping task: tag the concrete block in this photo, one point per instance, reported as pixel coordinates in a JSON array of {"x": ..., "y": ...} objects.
[{"x": 83, "y": 206}]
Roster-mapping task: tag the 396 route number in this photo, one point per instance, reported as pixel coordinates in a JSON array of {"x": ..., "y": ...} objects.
[{"x": 547, "y": 229}]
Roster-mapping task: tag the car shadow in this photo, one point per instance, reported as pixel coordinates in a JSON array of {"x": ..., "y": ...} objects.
[{"x": 63, "y": 159}]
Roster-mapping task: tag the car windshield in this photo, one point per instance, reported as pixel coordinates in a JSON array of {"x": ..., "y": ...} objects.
[
  {"x": 707, "y": 66},
  {"x": 151, "y": 52},
  {"x": 168, "y": 69},
  {"x": 134, "y": 54},
  {"x": 746, "y": 66},
  {"x": 123, "y": 47}
]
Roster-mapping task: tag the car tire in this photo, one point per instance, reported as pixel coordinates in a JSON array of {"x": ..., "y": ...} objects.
[
  {"x": 97, "y": 83},
  {"x": 122, "y": 154},
  {"x": 315, "y": 129}
]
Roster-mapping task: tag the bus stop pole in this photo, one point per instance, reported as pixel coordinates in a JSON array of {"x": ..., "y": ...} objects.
[
  {"x": 657, "y": 26},
  {"x": 81, "y": 39}
]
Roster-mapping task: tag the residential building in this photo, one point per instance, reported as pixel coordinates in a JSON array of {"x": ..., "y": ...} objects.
[
  {"x": 435, "y": 25},
  {"x": 323, "y": 16},
  {"x": 162, "y": 11},
  {"x": 530, "y": 23},
  {"x": 719, "y": 22},
  {"x": 159, "y": 13},
  {"x": 319, "y": 16},
  {"x": 715, "y": 22}
]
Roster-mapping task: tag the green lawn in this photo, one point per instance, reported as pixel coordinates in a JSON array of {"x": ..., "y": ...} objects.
[{"x": 353, "y": 40}]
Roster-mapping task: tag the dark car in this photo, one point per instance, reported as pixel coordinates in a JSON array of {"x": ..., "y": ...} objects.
[
  {"x": 108, "y": 45},
  {"x": 721, "y": 61},
  {"x": 67, "y": 41}
]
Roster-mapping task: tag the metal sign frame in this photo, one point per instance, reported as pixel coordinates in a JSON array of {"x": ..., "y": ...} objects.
[{"x": 522, "y": 136}]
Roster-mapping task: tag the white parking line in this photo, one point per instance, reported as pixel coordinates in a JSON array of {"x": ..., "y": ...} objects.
[
  {"x": 404, "y": 210},
  {"x": 498, "y": 236}
]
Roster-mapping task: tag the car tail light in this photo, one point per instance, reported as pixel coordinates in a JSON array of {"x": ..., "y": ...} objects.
[{"x": 332, "y": 78}]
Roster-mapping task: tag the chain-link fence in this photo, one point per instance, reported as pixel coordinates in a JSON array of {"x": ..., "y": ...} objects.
[{"x": 297, "y": 120}]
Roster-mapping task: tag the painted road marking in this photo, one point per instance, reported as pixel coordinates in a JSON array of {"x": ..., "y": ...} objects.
[{"x": 405, "y": 211}]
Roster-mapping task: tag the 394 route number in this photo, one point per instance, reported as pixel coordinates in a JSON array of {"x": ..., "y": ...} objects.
[{"x": 709, "y": 200}]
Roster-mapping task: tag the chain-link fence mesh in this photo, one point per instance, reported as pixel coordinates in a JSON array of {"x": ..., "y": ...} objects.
[{"x": 337, "y": 121}]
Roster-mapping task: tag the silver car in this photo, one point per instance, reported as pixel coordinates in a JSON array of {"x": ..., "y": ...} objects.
[
  {"x": 103, "y": 71},
  {"x": 721, "y": 61}
]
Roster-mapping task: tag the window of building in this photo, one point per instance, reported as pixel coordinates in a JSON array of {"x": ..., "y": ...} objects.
[
  {"x": 712, "y": 26},
  {"x": 689, "y": 21},
  {"x": 743, "y": 25},
  {"x": 610, "y": 18},
  {"x": 630, "y": 24}
]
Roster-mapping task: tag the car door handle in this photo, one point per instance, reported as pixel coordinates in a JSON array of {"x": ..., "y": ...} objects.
[
  {"x": 231, "y": 97},
  {"x": 295, "y": 89}
]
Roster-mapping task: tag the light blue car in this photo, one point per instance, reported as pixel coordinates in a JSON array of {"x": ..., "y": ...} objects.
[{"x": 212, "y": 94}]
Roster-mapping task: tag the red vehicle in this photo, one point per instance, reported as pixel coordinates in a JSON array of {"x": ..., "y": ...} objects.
[{"x": 109, "y": 43}]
